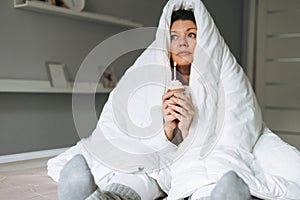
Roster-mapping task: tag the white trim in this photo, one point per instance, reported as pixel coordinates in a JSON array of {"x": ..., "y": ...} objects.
[
  {"x": 249, "y": 59},
  {"x": 44, "y": 86},
  {"x": 260, "y": 54},
  {"x": 28, "y": 160},
  {"x": 31, "y": 155}
]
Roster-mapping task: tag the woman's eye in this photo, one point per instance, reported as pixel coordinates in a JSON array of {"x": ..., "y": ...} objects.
[
  {"x": 192, "y": 35},
  {"x": 173, "y": 37}
]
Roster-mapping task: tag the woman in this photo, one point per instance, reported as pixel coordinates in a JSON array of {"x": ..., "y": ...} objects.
[
  {"x": 220, "y": 123},
  {"x": 183, "y": 41},
  {"x": 178, "y": 111}
]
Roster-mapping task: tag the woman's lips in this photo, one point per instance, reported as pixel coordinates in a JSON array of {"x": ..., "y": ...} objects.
[{"x": 183, "y": 53}]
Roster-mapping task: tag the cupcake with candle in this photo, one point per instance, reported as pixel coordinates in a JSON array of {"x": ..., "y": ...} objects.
[{"x": 175, "y": 85}]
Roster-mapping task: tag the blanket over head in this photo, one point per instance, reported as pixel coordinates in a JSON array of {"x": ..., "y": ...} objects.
[{"x": 129, "y": 136}]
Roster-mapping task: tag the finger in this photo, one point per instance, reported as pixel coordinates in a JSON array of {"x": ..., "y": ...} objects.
[
  {"x": 167, "y": 95},
  {"x": 170, "y": 118},
  {"x": 180, "y": 110},
  {"x": 168, "y": 103},
  {"x": 188, "y": 106},
  {"x": 165, "y": 105},
  {"x": 185, "y": 102},
  {"x": 185, "y": 114},
  {"x": 181, "y": 103},
  {"x": 184, "y": 97},
  {"x": 169, "y": 111},
  {"x": 181, "y": 95},
  {"x": 177, "y": 115}
]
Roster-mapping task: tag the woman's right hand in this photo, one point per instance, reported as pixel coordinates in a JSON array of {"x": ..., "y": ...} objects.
[{"x": 170, "y": 122}]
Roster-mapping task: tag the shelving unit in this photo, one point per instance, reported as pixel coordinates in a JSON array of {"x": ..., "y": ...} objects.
[
  {"x": 41, "y": 86},
  {"x": 44, "y": 86},
  {"x": 65, "y": 12}
]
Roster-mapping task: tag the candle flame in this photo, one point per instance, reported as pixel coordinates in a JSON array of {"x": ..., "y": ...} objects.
[{"x": 174, "y": 70}]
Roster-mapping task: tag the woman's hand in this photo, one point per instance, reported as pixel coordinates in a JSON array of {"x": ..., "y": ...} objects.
[
  {"x": 183, "y": 110},
  {"x": 178, "y": 111},
  {"x": 170, "y": 121}
]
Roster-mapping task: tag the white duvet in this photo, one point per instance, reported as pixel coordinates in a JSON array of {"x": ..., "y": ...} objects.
[{"x": 227, "y": 132}]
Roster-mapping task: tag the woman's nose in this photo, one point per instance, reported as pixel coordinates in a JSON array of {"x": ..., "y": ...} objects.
[{"x": 183, "y": 41}]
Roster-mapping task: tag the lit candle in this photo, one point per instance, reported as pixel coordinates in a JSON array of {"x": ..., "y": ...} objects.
[{"x": 174, "y": 70}]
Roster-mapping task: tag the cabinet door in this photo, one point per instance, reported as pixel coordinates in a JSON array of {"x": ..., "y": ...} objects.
[{"x": 277, "y": 71}]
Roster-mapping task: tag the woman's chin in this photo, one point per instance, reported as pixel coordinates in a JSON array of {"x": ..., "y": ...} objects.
[{"x": 183, "y": 61}]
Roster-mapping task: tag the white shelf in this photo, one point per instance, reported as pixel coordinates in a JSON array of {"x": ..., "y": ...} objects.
[
  {"x": 60, "y": 11},
  {"x": 40, "y": 86}
]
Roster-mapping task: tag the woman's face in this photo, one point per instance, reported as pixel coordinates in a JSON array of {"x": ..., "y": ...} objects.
[{"x": 183, "y": 41}]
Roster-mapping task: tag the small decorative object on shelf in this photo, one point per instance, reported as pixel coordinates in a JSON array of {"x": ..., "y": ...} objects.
[
  {"x": 57, "y": 75},
  {"x": 57, "y": 3},
  {"x": 77, "y": 5},
  {"x": 108, "y": 78}
]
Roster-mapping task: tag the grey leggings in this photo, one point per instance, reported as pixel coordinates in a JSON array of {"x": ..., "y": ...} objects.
[
  {"x": 114, "y": 191},
  {"x": 77, "y": 183}
]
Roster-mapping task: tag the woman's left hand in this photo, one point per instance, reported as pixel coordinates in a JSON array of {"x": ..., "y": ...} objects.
[{"x": 184, "y": 111}]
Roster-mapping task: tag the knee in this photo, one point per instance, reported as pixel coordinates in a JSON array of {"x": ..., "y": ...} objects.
[
  {"x": 231, "y": 187},
  {"x": 75, "y": 170}
]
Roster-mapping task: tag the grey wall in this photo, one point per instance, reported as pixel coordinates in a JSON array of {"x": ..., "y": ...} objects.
[
  {"x": 228, "y": 16},
  {"x": 30, "y": 122}
]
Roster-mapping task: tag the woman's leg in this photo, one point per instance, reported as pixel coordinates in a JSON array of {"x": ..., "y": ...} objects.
[
  {"x": 230, "y": 187},
  {"x": 115, "y": 192},
  {"x": 77, "y": 183},
  {"x": 145, "y": 186}
]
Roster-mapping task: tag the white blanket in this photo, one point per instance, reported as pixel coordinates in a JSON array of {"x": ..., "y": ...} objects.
[{"x": 224, "y": 135}]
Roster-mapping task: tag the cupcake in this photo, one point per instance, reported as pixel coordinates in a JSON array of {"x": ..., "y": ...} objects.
[{"x": 175, "y": 86}]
